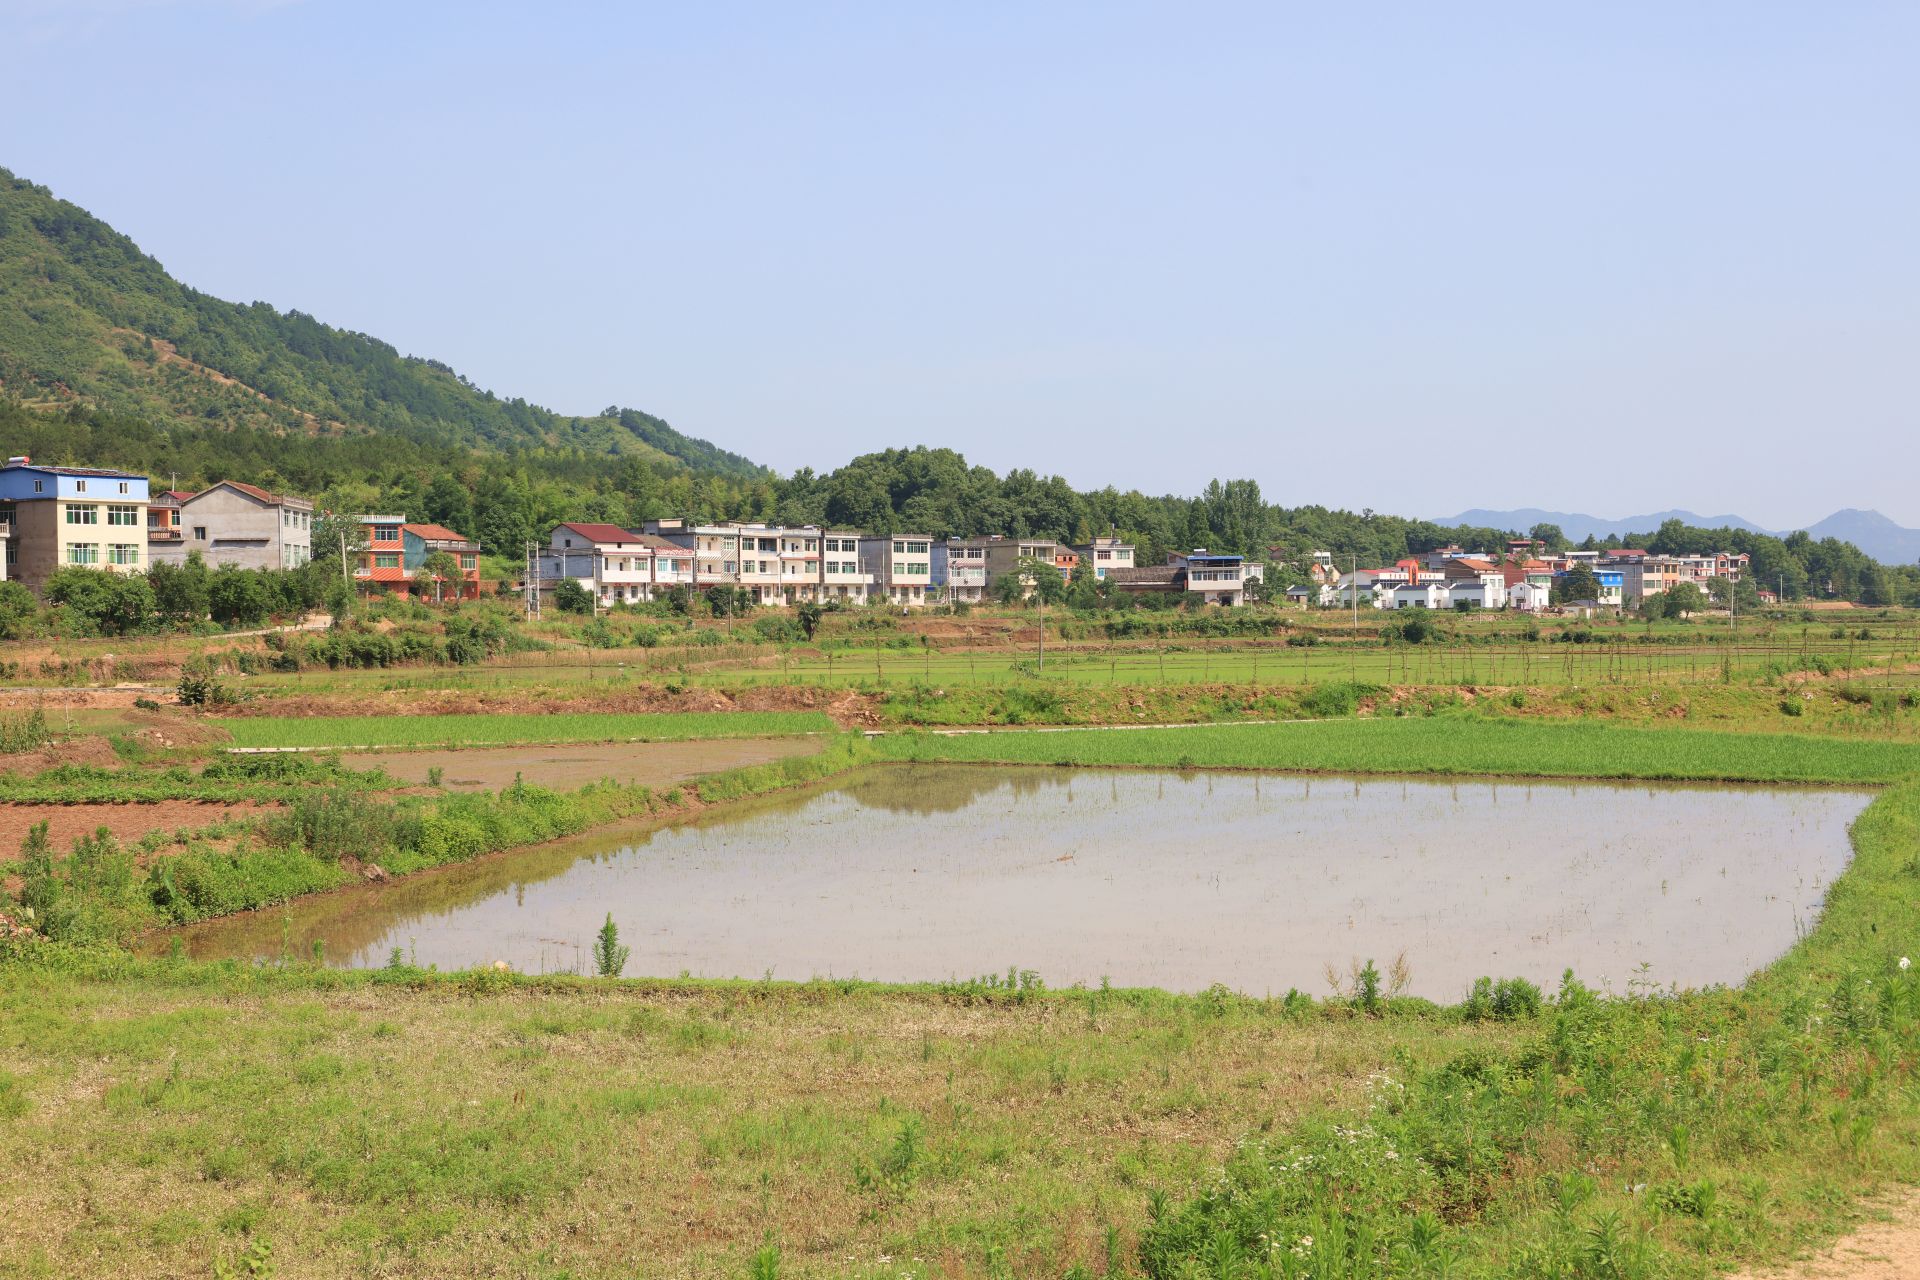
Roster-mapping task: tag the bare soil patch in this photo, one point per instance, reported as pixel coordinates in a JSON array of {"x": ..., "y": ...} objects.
[
  {"x": 1888, "y": 1250},
  {"x": 847, "y": 707},
  {"x": 128, "y": 822},
  {"x": 654, "y": 764}
]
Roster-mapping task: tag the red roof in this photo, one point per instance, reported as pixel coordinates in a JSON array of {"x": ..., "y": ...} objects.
[
  {"x": 436, "y": 533},
  {"x": 601, "y": 532}
]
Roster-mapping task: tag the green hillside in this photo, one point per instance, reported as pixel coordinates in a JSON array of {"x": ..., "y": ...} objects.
[{"x": 86, "y": 317}]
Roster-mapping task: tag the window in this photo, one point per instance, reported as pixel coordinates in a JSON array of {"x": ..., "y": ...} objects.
[
  {"x": 899, "y": 548},
  {"x": 123, "y": 515},
  {"x": 386, "y": 533},
  {"x": 80, "y": 486},
  {"x": 39, "y": 486},
  {"x": 386, "y": 560},
  {"x": 916, "y": 548},
  {"x": 123, "y": 553},
  {"x": 123, "y": 486},
  {"x": 467, "y": 561},
  {"x": 199, "y": 533},
  {"x": 83, "y": 515},
  {"x": 83, "y": 553}
]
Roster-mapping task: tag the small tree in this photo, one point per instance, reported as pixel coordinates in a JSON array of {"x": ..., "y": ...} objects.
[
  {"x": 570, "y": 597},
  {"x": 1577, "y": 583},
  {"x": 808, "y": 615},
  {"x": 439, "y": 573},
  {"x": 1682, "y": 599},
  {"x": 609, "y": 957}
]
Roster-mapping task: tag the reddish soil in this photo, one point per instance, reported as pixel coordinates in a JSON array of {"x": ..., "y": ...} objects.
[
  {"x": 82, "y": 750},
  {"x": 127, "y": 821},
  {"x": 846, "y": 706}
]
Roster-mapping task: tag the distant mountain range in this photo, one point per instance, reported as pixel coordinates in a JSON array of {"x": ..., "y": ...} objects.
[{"x": 1872, "y": 532}]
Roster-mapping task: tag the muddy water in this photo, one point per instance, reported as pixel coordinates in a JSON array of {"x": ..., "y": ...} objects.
[{"x": 1144, "y": 878}]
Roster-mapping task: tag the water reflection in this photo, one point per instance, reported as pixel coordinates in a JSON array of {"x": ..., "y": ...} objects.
[{"x": 1148, "y": 877}]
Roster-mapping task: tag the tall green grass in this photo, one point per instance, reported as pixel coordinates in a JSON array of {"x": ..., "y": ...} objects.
[
  {"x": 485, "y": 730},
  {"x": 1444, "y": 745}
]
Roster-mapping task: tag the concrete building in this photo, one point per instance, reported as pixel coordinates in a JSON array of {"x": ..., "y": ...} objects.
[
  {"x": 1420, "y": 595},
  {"x": 166, "y": 541},
  {"x": 54, "y": 517},
  {"x": 715, "y": 547},
  {"x": 960, "y": 570},
  {"x": 617, "y": 565},
  {"x": 1212, "y": 577},
  {"x": 800, "y": 561},
  {"x": 1527, "y": 597},
  {"x": 842, "y": 576},
  {"x": 247, "y": 527},
  {"x": 383, "y": 563},
  {"x": 901, "y": 565},
  {"x": 1643, "y": 574},
  {"x": 1104, "y": 554}
]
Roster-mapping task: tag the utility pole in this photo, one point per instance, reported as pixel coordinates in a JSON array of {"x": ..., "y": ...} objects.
[
  {"x": 531, "y": 588},
  {"x": 1353, "y": 588}
]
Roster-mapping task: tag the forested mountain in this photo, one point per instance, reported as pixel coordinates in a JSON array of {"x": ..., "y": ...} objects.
[{"x": 86, "y": 317}]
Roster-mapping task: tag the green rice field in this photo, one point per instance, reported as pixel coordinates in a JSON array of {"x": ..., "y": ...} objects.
[
  {"x": 1440, "y": 746},
  {"x": 326, "y": 732}
]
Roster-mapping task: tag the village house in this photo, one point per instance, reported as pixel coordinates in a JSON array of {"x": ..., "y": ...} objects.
[
  {"x": 960, "y": 570},
  {"x": 55, "y": 517},
  {"x": 841, "y": 576},
  {"x": 1104, "y": 554},
  {"x": 901, "y": 565},
  {"x": 618, "y": 566},
  {"x": 244, "y": 526}
]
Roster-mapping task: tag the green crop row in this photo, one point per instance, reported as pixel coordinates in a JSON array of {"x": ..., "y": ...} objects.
[{"x": 1451, "y": 745}]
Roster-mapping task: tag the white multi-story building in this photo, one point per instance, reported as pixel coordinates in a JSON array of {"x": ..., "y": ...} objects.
[
  {"x": 617, "y": 565},
  {"x": 901, "y": 565},
  {"x": 842, "y": 576}
]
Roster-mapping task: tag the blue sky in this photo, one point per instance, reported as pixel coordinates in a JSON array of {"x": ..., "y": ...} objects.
[{"x": 1417, "y": 258}]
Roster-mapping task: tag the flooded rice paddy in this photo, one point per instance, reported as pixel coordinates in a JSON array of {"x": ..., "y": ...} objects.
[{"x": 1144, "y": 878}]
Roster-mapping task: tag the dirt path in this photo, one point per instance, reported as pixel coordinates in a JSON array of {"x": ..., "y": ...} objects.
[
  {"x": 655, "y": 764},
  {"x": 1888, "y": 1250}
]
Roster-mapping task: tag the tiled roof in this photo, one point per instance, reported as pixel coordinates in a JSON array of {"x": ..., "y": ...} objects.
[
  {"x": 436, "y": 533},
  {"x": 257, "y": 493},
  {"x": 602, "y": 532}
]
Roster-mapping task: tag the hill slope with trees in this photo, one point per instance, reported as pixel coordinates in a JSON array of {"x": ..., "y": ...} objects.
[{"x": 86, "y": 317}]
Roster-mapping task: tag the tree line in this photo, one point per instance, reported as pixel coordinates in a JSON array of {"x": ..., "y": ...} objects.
[{"x": 505, "y": 499}]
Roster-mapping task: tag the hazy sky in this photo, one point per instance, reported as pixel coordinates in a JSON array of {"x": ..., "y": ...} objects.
[{"x": 1609, "y": 258}]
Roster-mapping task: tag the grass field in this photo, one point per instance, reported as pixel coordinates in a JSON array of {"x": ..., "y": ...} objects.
[
  {"x": 1441, "y": 745},
  {"x": 366, "y": 1127},
  {"x": 1195, "y": 662},
  {"x": 326, "y": 732}
]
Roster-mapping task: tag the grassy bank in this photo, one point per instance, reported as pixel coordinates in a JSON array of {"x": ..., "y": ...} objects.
[
  {"x": 1665, "y": 1135},
  {"x": 1450, "y": 745},
  {"x": 324, "y": 732}
]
